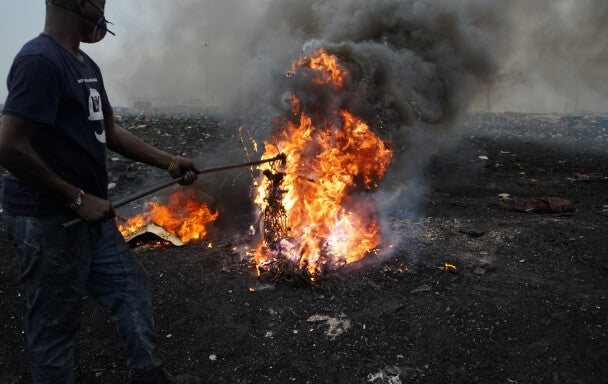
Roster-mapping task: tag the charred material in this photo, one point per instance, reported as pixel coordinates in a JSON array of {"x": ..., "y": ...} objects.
[{"x": 274, "y": 215}]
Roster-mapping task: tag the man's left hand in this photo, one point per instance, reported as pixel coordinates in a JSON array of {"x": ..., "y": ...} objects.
[{"x": 185, "y": 168}]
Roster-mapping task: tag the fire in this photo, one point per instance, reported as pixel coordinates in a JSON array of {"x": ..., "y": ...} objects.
[
  {"x": 183, "y": 215},
  {"x": 326, "y": 67},
  {"x": 316, "y": 208},
  {"x": 450, "y": 267}
]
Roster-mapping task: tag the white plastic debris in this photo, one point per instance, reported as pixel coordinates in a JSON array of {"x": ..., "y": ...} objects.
[
  {"x": 389, "y": 375},
  {"x": 422, "y": 288},
  {"x": 337, "y": 326}
]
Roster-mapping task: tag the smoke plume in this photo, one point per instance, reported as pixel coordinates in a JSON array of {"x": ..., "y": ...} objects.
[
  {"x": 414, "y": 65},
  {"x": 545, "y": 53},
  {"x": 553, "y": 57},
  {"x": 417, "y": 66}
]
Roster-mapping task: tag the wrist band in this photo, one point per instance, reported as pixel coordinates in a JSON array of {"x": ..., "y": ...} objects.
[
  {"x": 74, "y": 205},
  {"x": 171, "y": 164}
]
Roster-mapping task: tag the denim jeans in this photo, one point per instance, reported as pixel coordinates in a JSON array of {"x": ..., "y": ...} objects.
[{"x": 57, "y": 267}]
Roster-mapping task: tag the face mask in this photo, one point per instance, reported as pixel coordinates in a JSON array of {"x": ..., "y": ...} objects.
[
  {"x": 101, "y": 26},
  {"x": 99, "y": 32}
]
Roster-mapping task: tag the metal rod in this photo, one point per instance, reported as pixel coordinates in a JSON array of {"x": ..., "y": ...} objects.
[{"x": 169, "y": 183}]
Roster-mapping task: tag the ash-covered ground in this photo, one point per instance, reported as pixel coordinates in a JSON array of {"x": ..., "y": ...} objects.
[{"x": 525, "y": 300}]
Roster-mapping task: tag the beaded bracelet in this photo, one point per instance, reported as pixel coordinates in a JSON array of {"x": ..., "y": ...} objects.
[
  {"x": 171, "y": 164},
  {"x": 74, "y": 205}
]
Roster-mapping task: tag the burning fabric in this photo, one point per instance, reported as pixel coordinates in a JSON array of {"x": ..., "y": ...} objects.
[
  {"x": 182, "y": 216},
  {"x": 316, "y": 211}
]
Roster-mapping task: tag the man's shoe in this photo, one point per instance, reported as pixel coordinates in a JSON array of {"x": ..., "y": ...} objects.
[{"x": 161, "y": 376}]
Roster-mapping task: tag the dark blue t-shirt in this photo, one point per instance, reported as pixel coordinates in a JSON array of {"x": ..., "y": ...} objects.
[{"x": 50, "y": 86}]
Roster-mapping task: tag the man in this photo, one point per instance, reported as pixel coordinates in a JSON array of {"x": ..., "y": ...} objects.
[{"x": 55, "y": 128}]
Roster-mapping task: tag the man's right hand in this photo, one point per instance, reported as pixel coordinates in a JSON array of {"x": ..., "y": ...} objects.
[{"x": 94, "y": 209}]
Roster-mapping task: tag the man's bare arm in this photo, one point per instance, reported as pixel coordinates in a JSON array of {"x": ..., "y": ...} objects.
[{"x": 125, "y": 143}]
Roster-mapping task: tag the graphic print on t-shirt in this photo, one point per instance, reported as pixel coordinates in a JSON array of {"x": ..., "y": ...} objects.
[{"x": 96, "y": 114}]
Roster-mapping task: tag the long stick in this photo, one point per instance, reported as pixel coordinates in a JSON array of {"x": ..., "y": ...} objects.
[{"x": 168, "y": 183}]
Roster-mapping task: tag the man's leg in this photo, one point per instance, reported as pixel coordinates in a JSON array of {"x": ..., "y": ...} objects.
[
  {"x": 118, "y": 280},
  {"x": 51, "y": 276}
]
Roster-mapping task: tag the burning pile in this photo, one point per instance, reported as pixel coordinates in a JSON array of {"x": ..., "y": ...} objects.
[
  {"x": 317, "y": 212},
  {"x": 182, "y": 215}
]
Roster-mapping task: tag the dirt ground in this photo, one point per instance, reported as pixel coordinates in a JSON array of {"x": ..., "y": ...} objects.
[{"x": 526, "y": 300}]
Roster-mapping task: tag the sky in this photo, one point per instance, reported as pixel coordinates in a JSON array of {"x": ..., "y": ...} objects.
[
  {"x": 16, "y": 29},
  {"x": 23, "y": 20},
  {"x": 177, "y": 51},
  {"x": 551, "y": 55}
]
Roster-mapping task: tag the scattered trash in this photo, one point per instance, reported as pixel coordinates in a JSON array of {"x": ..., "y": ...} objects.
[
  {"x": 537, "y": 205},
  {"x": 389, "y": 375},
  {"x": 581, "y": 177},
  {"x": 589, "y": 178},
  {"x": 213, "y": 357},
  {"x": 422, "y": 288},
  {"x": 483, "y": 157},
  {"x": 337, "y": 326},
  {"x": 472, "y": 232},
  {"x": 504, "y": 195},
  {"x": 264, "y": 287},
  {"x": 153, "y": 229}
]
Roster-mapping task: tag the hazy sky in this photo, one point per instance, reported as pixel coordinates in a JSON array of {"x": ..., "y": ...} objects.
[
  {"x": 19, "y": 21},
  {"x": 162, "y": 49},
  {"x": 23, "y": 20},
  {"x": 551, "y": 54}
]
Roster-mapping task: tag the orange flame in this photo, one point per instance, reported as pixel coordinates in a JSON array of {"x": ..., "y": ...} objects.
[
  {"x": 450, "y": 267},
  {"x": 326, "y": 67},
  {"x": 182, "y": 215},
  {"x": 331, "y": 163}
]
